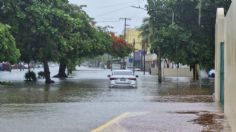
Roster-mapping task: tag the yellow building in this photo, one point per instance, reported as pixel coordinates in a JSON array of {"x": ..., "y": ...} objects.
[{"x": 134, "y": 34}]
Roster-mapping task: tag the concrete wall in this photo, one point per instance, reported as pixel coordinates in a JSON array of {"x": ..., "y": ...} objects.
[
  {"x": 154, "y": 71},
  {"x": 173, "y": 72},
  {"x": 180, "y": 72},
  {"x": 230, "y": 64},
  {"x": 218, "y": 39}
]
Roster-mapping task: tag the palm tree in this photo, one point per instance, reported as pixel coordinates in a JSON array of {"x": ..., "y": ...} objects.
[{"x": 149, "y": 34}]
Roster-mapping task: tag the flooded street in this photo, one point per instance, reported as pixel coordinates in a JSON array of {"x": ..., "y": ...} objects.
[
  {"x": 84, "y": 101},
  {"x": 92, "y": 85}
]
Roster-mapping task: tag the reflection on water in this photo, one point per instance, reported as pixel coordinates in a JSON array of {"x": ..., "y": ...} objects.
[
  {"x": 186, "y": 86},
  {"x": 92, "y": 86},
  {"x": 62, "y": 92}
]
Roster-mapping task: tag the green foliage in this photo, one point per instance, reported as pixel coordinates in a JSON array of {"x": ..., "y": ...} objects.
[
  {"x": 30, "y": 76},
  {"x": 53, "y": 30},
  {"x": 146, "y": 31},
  {"x": 5, "y": 83},
  {"x": 174, "y": 32},
  {"x": 84, "y": 40},
  {"x": 41, "y": 74},
  {"x": 8, "y": 50}
]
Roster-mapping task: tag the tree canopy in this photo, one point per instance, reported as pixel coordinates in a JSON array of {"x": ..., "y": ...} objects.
[
  {"x": 120, "y": 48},
  {"x": 52, "y": 30},
  {"x": 183, "y": 30},
  {"x": 8, "y": 50}
]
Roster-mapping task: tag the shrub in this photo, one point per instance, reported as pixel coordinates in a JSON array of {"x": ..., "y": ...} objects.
[
  {"x": 6, "y": 83},
  {"x": 30, "y": 76},
  {"x": 41, "y": 74}
]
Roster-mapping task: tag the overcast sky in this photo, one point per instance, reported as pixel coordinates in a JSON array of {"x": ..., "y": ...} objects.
[{"x": 109, "y": 12}]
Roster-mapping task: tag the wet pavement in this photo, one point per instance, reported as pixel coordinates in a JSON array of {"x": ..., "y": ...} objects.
[
  {"x": 84, "y": 102},
  {"x": 169, "y": 117}
]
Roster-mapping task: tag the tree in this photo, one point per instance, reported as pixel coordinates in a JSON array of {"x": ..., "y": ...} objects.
[
  {"x": 84, "y": 40},
  {"x": 57, "y": 31},
  {"x": 181, "y": 33},
  {"x": 50, "y": 28},
  {"x": 146, "y": 31},
  {"x": 39, "y": 28},
  {"x": 120, "y": 48},
  {"x": 8, "y": 50}
]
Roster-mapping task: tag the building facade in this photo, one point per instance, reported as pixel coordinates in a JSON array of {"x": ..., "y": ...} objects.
[
  {"x": 134, "y": 34},
  {"x": 225, "y": 62}
]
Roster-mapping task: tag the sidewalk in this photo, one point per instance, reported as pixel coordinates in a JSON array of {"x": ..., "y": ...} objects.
[{"x": 170, "y": 117}]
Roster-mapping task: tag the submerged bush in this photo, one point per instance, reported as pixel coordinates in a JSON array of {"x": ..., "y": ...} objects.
[
  {"x": 30, "y": 76},
  {"x": 6, "y": 83},
  {"x": 41, "y": 74}
]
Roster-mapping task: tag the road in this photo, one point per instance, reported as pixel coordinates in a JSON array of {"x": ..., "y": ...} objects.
[{"x": 84, "y": 102}]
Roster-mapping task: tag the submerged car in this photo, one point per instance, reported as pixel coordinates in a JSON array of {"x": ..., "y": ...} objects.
[{"x": 123, "y": 78}]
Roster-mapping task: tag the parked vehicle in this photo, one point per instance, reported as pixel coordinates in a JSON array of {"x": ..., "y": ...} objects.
[
  {"x": 5, "y": 66},
  {"x": 211, "y": 73},
  {"x": 123, "y": 78},
  {"x": 1, "y": 67}
]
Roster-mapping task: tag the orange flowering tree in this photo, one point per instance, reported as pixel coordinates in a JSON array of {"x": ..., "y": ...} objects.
[{"x": 120, "y": 48}]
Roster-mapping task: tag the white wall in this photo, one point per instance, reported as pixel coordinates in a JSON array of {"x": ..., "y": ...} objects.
[
  {"x": 230, "y": 66},
  {"x": 229, "y": 37},
  {"x": 219, "y": 37}
]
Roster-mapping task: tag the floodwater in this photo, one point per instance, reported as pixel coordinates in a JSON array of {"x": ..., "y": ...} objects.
[
  {"x": 91, "y": 85},
  {"x": 84, "y": 101}
]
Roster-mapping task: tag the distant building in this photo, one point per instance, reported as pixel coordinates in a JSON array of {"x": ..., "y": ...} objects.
[
  {"x": 150, "y": 61},
  {"x": 134, "y": 34}
]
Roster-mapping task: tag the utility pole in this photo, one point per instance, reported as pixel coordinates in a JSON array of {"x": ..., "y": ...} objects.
[
  {"x": 144, "y": 59},
  {"x": 125, "y": 25},
  {"x": 125, "y": 19},
  {"x": 199, "y": 12}
]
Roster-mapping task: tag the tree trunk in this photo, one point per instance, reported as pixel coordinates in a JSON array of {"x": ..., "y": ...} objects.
[
  {"x": 159, "y": 70},
  {"x": 123, "y": 63},
  {"x": 167, "y": 63},
  {"x": 47, "y": 73},
  {"x": 62, "y": 71},
  {"x": 195, "y": 72},
  {"x": 28, "y": 67},
  {"x": 69, "y": 70}
]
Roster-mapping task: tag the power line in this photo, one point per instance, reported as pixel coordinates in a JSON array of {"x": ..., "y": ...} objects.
[
  {"x": 110, "y": 12},
  {"x": 107, "y": 21},
  {"x": 114, "y": 5},
  {"x": 119, "y": 9},
  {"x": 116, "y": 21}
]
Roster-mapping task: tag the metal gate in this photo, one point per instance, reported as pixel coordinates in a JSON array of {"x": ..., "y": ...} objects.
[{"x": 222, "y": 73}]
